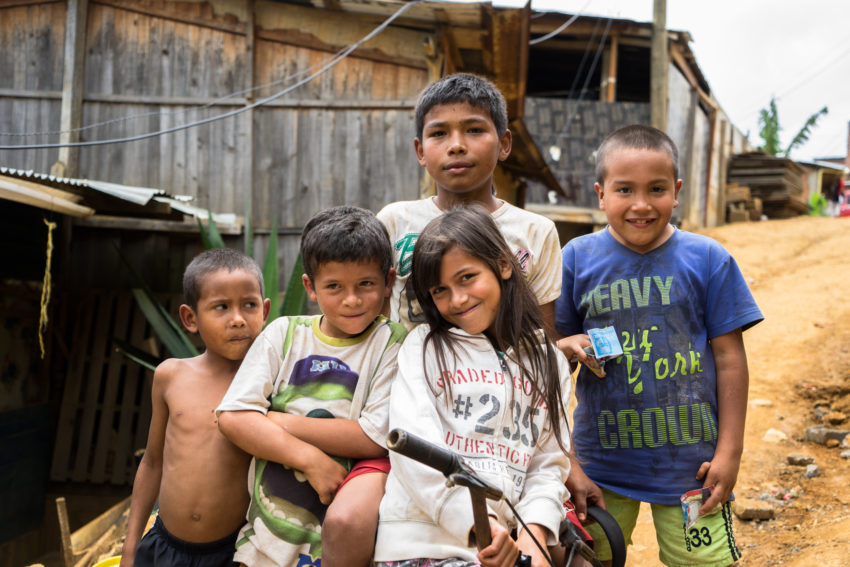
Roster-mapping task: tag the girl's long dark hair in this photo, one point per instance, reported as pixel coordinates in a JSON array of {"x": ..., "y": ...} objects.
[{"x": 519, "y": 323}]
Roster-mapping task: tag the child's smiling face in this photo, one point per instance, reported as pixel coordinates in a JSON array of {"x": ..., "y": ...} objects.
[
  {"x": 469, "y": 292},
  {"x": 350, "y": 295},
  {"x": 638, "y": 196}
]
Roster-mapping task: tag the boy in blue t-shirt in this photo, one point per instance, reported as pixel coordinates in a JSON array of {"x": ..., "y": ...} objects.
[{"x": 668, "y": 417}]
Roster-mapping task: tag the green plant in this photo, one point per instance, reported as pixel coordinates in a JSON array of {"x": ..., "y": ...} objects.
[
  {"x": 171, "y": 333},
  {"x": 770, "y": 128}
]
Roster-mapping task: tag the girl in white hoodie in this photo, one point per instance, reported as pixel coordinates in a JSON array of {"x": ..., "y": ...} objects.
[{"x": 484, "y": 380}]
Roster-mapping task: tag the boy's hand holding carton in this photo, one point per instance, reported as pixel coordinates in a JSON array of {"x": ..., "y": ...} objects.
[{"x": 603, "y": 346}]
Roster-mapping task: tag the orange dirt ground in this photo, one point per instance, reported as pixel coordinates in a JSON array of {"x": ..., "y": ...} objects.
[{"x": 799, "y": 271}]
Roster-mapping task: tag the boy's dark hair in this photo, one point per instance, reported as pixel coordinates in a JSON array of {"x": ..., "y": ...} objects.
[
  {"x": 518, "y": 324},
  {"x": 463, "y": 87},
  {"x": 345, "y": 234},
  {"x": 640, "y": 137},
  {"x": 212, "y": 261}
]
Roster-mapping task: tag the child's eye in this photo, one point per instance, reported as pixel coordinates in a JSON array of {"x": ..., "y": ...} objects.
[
  {"x": 436, "y": 133},
  {"x": 622, "y": 190},
  {"x": 251, "y": 304},
  {"x": 658, "y": 189},
  {"x": 220, "y": 306},
  {"x": 367, "y": 283},
  {"x": 437, "y": 290},
  {"x": 476, "y": 130}
]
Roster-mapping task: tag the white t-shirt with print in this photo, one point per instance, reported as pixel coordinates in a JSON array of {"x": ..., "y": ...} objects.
[
  {"x": 532, "y": 237},
  {"x": 295, "y": 368}
]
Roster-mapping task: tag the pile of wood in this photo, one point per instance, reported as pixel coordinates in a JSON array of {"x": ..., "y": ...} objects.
[
  {"x": 101, "y": 538},
  {"x": 776, "y": 181},
  {"x": 741, "y": 205}
]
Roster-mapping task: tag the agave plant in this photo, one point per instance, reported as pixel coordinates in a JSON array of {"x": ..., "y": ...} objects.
[{"x": 171, "y": 333}]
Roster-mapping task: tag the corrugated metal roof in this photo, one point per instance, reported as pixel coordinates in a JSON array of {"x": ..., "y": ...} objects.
[{"x": 140, "y": 196}]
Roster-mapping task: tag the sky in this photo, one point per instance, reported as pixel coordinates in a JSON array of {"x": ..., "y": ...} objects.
[{"x": 750, "y": 50}]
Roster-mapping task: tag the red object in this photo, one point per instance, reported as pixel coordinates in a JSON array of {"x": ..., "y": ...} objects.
[
  {"x": 573, "y": 518},
  {"x": 844, "y": 207},
  {"x": 364, "y": 466}
]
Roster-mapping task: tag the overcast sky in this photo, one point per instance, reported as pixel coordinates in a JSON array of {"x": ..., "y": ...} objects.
[{"x": 749, "y": 50}]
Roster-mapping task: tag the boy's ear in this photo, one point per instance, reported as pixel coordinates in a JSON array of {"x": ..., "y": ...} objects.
[
  {"x": 267, "y": 306},
  {"x": 308, "y": 285},
  {"x": 600, "y": 192},
  {"x": 676, "y": 189},
  {"x": 505, "y": 143},
  {"x": 189, "y": 318},
  {"x": 390, "y": 280},
  {"x": 420, "y": 152}
]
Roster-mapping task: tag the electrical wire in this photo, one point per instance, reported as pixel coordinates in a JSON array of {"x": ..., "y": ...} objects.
[
  {"x": 589, "y": 75},
  {"x": 332, "y": 62},
  {"x": 564, "y": 26},
  {"x": 193, "y": 108}
]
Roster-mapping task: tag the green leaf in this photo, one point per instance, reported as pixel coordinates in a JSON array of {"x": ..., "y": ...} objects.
[
  {"x": 295, "y": 298},
  {"x": 270, "y": 272},
  {"x": 145, "y": 291},
  {"x": 137, "y": 355},
  {"x": 171, "y": 335},
  {"x": 803, "y": 135},
  {"x": 211, "y": 237}
]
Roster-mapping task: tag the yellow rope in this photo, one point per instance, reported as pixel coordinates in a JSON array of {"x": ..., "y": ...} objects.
[{"x": 45, "y": 286}]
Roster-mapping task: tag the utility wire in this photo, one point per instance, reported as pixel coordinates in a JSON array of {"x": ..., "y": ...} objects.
[
  {"x": 589, "y": 75},
  {"x": 564, "y": 26},
  {"x": 818, "y": 71},
  {"x": 193, "y": 108},
  {"x": 334, "y": 60}
]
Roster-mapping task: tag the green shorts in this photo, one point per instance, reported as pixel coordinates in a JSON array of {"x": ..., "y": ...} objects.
[{"x": 710, "y": 542}]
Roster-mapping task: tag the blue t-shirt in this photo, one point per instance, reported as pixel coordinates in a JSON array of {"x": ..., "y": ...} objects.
[{"x": 644, "y": 429}]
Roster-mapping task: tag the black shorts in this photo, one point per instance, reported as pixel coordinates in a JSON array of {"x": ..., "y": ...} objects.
[{"x": 161, "y": 549}]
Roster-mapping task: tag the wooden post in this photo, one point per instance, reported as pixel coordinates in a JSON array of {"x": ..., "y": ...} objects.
[
  {"x": 250, "y": 38},
  {"x": 608, "y": 92},
  {"x": 65, "y": 531},
  {"x": 659, "y": 66},
  {"x": 72, "y": 88}
]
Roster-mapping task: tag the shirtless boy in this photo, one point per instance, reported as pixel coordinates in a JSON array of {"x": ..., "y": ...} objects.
[{"x": 196, "y": 474}]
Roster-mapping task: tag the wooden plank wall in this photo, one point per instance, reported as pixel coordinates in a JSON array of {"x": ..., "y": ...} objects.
[
  {"x": 31, "y": 49},
  {"x": 343, "y": 138},
  {"x": 105, "y": 408}
]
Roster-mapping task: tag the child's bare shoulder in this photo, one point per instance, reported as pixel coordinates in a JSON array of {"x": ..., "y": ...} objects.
[{"x": 171, "y": 369}]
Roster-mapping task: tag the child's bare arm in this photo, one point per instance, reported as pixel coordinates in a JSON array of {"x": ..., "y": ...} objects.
[
  {"x": 573, "y": 347},
  {"x": 340, "y": 437},
  {"x": 730, "y": 360},
  {"x": 583, "y": 491},
  {"x": 528, "y": 547},
  {"x": 149, "y": 473},
  {"x": 257, "y": 435}
]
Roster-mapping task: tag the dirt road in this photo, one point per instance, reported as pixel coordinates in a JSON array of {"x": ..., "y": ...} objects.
[{"x": 799, "y": 356}]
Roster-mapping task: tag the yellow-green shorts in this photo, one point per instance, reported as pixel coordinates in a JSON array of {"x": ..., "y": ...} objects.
[{"x": 709, "y": 543}]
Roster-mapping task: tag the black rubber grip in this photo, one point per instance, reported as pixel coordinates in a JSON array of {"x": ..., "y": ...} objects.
[
  {"x": 613, "y": 533},
  {"x": 425, "y": 452}
]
